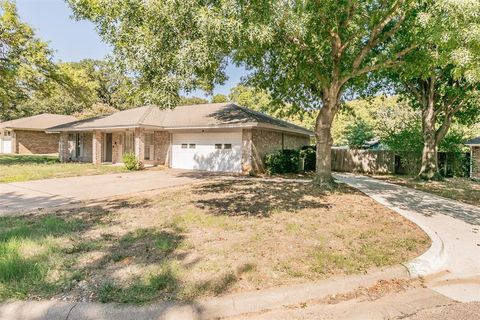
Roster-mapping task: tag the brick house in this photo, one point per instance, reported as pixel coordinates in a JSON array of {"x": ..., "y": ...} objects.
[
  {"x": 28, "y": 136},
  {"x": 474, "y": 145},
  {"x": 212, "y": 137}
]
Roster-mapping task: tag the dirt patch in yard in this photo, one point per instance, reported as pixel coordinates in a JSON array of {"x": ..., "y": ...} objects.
[{"x": 202, "y": 240}]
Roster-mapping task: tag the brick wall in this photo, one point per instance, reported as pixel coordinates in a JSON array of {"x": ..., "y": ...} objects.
[
  {"x": 162, "y": 147},
  {"x": 139, "y": 144},
  {"x": 476, "y": 162},
  {"x": 295, "y": 142},
  {"x": 248, "y": 165},
  {"x": 35, "y": 142},
  {"x": 97, "y": 147},
  {"x": 265, "y": 142},
  {"x": 268, "y": 141},
  {"x": 63, "y": 148}
]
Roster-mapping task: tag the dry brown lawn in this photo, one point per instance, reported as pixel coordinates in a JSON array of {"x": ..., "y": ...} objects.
[{"x": 201, "y": 240}]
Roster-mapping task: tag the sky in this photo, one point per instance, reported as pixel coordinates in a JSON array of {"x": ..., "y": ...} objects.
[{"x": 76, "y": 40}]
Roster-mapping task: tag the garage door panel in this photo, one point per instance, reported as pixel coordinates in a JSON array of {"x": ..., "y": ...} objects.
[
  {"x": 6, "y": 145},
  {"x": 205, "y": 156}
]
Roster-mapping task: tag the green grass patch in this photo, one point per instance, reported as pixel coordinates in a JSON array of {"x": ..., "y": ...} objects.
[
  {"x": 24, "y": 268},
  {"x": 14, "y": 267},
  {"x": 162, "y": 283},
  {"x": 13, "y": 159},
  {"x": 11, "y": 227},
  {"x": 29, "y": 251},
  {"x": 15, "y": 168}
]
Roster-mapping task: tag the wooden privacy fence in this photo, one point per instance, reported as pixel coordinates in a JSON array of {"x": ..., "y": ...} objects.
[
  {"x": 386, "y": 162},
  {"x": 363, "y": 161}
]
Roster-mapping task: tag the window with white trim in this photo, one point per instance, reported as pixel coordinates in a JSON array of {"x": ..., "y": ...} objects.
[
  {"x": 149, "y": 145},
  {"x": 128, "y": 143}
]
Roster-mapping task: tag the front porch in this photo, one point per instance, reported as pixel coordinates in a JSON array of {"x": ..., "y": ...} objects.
[{"x": 109, "y": 146}]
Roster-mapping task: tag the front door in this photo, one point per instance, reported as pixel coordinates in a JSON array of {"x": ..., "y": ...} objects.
[{"x": 108, "y": 147}]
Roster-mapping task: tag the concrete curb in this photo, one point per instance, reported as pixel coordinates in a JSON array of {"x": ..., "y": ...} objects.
[
  {"x": 434, "y": 259},
  {"x": 227, "y": 306}
]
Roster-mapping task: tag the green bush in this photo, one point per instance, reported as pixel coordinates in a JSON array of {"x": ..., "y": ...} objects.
[
  {"x": 284, "y": 161},
  {"x": 309, "y": 153},
  {"x": 131, "y": 162}
]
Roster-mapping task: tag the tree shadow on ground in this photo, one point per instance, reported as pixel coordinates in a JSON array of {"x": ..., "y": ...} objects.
[
  {"x": 257, "y": 198},
  {"x": 92, "y": 264},
  {"x": 164, "y": 250}
]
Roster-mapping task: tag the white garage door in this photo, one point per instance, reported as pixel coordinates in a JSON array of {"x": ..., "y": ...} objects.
[
  {"x": 220, "y": 151},
  {"x": 6, "y": 145}
]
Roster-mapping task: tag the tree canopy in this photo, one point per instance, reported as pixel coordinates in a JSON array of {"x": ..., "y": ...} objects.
[
  {"x": 307, "y": 56},
  {"x": 26, "y": 65},
  {"x": 441, "y": 76}
]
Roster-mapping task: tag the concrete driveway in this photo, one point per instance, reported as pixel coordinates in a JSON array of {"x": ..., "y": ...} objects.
[
  {"x": 25, "y": 196},
  {"x": 452, "y": 264}
]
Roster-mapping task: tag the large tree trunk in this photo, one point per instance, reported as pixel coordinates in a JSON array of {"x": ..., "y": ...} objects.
[
  {"x": 429, "y": 166},
  {"x": 323, "y": 135}
]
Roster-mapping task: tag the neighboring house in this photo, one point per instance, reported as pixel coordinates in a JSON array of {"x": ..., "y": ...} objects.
[
  {"x": 213, "y": 137},
  {"x": 474, "y": 145},
  {"x": 373, "y": 144},
  {"x": 28, "y": 136}
]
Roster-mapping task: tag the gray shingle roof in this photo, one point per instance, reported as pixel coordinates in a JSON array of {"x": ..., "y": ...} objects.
[
  {"x": 214, "y": 115},
  {"x": 474, "y": 141},
  {"x": 39, "y": 122}
]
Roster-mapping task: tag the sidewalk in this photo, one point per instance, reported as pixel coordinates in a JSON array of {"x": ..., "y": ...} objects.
[{"x": 453, "y": 226}]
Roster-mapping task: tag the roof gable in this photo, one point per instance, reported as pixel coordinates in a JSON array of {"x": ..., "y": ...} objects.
[{"x": 473, "y": 142}]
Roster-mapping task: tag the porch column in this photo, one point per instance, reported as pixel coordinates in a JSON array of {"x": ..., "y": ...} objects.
[
  {"x": 97, "y": 147},
  {"x": 139, "y": 144},
  {"x": 116, "y": 149},
  {"x": 63, "y": 152}
]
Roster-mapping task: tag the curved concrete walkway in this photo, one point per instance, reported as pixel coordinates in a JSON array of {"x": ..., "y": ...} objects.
[{"x": 452, "y": 265}]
